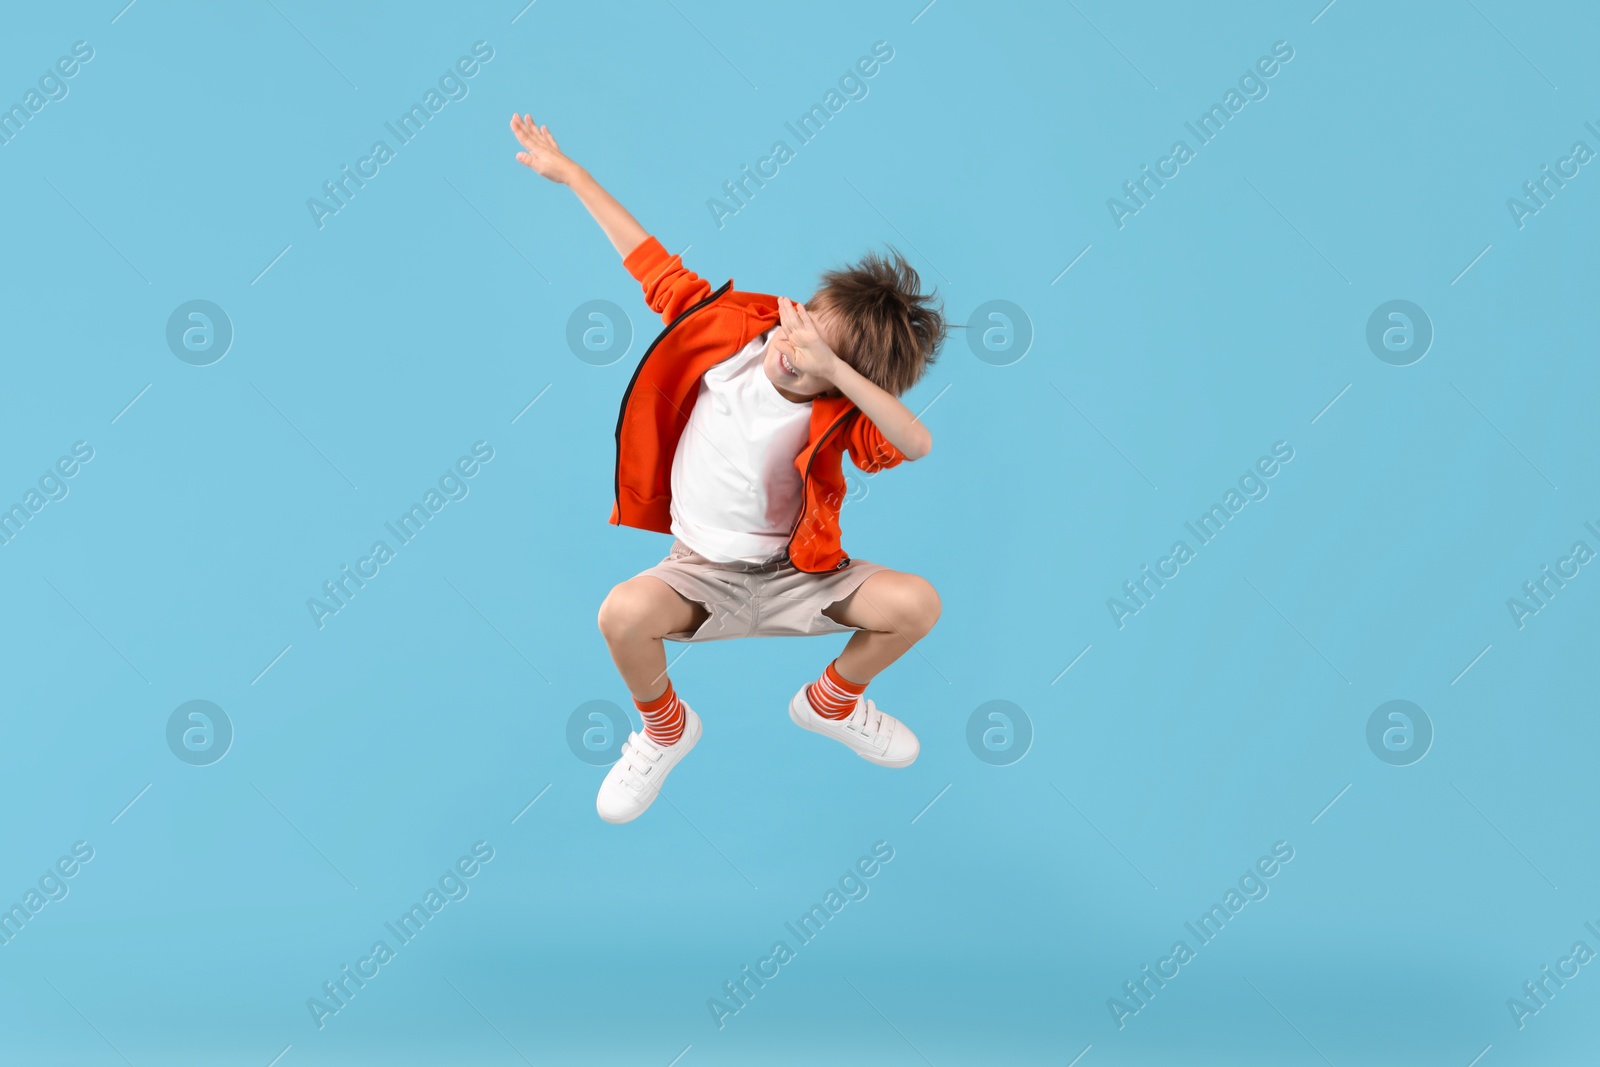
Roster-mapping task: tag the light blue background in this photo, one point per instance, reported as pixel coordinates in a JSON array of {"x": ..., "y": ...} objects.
[{"x": 1224, "y": 717}]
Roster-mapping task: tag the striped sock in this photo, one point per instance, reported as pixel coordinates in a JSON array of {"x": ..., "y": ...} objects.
[
  {"x": 833, "y": 696},
  {"x": 663, "y": 716}
]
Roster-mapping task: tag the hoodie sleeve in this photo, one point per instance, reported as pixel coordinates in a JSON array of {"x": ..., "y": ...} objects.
[
  {"x": 670, "y": 288},
  {"x": 868, "y": 448}
]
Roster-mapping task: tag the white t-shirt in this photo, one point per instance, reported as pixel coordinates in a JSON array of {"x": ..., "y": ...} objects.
[{"x": 735, "y": 489}]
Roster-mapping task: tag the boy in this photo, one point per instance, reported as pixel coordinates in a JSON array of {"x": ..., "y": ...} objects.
[{"x": 731, "y": 437}]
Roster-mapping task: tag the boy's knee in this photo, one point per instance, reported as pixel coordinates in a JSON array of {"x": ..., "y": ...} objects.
[
  {"x": 916, "y": 605},
  {"x": 626, "y": 611},
  {"x": 928, "y": 606}
]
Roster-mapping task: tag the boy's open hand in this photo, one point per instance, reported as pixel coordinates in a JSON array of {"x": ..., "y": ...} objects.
[
  {"x": 801, "y": 342},
  {"x": 542, "y": 154}
]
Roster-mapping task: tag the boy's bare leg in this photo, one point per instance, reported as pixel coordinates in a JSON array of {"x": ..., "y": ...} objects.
[
  {"x": 634, "y": 617},
  {"x": 892, "y": 611}
]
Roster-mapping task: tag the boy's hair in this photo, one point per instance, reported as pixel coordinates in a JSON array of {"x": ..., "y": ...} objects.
[{"x": 890, "y": 331}]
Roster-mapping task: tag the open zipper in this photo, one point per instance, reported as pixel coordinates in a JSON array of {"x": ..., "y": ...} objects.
[
  {"x": 616, "y": 477},
  {"x": 805, "y": 480}
]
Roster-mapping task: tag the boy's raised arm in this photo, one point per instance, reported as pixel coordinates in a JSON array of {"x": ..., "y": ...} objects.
[
  {"x": 542, "y": 155},
  {"x": 669, "y": 286}
]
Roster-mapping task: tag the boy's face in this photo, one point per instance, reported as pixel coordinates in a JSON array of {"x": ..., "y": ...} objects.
[{"x": 793, "y": 384}]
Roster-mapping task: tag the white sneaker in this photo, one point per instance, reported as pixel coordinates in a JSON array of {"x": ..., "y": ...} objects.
[
  {"x": 634, "y": 781},
  {"x": 872, "y": 735}
]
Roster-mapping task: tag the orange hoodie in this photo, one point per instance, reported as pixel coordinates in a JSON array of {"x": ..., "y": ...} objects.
[{"x": 703, "y": 329}]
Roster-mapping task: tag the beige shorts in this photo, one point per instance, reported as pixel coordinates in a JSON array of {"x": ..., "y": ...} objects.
[{"x": 770, "y": 599}]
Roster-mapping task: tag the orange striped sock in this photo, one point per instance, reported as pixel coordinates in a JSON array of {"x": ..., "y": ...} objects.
[
  {"x": 833, "y": 696},
  {"x": 663, "y": 716}
]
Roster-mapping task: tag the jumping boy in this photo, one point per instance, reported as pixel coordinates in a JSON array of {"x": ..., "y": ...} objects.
[{"x": 731, "y": 437}]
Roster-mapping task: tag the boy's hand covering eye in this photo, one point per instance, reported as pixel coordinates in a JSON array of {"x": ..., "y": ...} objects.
[{"x": 801, "y": 342}]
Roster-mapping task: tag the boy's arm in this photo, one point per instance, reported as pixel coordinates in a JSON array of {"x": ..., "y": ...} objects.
[
  {"x": 669, "y": 287},
  {"x": 806, "y": 350},
  {"x": 893, "y": 419},
  {"x": 543, "y": 156}
]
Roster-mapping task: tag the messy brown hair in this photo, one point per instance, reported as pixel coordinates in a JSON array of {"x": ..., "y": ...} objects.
[{"x": 890, "y": 330}]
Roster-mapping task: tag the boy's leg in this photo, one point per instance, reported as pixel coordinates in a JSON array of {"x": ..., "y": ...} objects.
[
  {"x": 634, "y": 618},
  {"x": 891, "y": 611}
]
